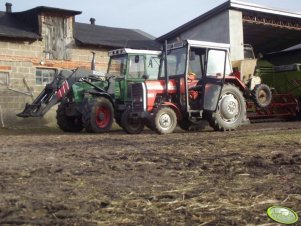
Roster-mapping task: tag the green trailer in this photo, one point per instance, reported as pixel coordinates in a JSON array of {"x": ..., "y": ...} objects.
[{"x": 285, "y": 82}]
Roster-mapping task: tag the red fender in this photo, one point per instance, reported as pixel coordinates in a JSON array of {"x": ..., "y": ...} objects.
[
  {"x": 175, "y": 108},
  {"x": 234, "y": 80}
]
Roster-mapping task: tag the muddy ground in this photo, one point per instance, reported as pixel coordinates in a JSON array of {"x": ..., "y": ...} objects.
[{"x": 48, "y": 177}]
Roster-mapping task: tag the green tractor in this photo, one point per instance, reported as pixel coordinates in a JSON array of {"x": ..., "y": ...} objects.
[{"x": 91, "y": 100}]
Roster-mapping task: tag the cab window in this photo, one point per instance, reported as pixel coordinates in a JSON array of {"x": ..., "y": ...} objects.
[
  {"x": 196, "y": 62},
  {"x": 216, "y": 63},
  {"x": 136, "y": 66},
  {"x": 152, "y": 67}
]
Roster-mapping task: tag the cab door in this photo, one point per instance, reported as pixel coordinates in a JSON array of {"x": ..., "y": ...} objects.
[
  {"x": 135, "y": 72},
  {"x": 216, "y": 67}
]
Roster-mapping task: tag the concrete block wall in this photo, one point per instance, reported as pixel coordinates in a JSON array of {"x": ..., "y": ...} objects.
[
  {"x": 215, "y": 29},
  {"x": 20, "y": 60},
  {"x": 226, "y": 27}
]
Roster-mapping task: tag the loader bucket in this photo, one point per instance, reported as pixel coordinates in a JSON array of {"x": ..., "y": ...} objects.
[
  {"x": 26, "y": 112},
  {"x": 31, "y": 110},
  {"x": 41, "y": 104}
]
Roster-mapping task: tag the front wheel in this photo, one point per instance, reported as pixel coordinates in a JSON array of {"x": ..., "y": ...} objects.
[
  {"x": 262, "y": 95},
  {"x": 131, "y": 125},
  {"x": 165, "y": 120},
  {"x": 98, "y": 116},
  {"x": 231, "y": 110}
]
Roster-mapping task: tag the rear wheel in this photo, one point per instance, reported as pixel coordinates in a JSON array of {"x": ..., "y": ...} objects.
[
  {"x": 165, "y": 120},
  {"x": 68, "y": 123},
  {"x": 231, "y": 110},
  {"x": 99, "y": 114},
  {"x": 131, "y": 125}
]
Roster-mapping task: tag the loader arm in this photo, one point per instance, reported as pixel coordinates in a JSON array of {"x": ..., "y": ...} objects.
[{"x": 55, "y": 91}]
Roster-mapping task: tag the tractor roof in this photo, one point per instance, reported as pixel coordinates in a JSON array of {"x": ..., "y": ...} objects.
[
  {"x": 195, "y": 43},
  {"x": 133, "y": 51}
]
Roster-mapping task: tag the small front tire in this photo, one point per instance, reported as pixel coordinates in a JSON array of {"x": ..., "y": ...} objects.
[
  {"x": 165, "y": 120},
  {"x": 131, "y": 125},
  {"x": 262, "y": 95}
]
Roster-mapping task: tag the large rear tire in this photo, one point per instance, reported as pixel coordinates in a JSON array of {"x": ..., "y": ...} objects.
[
  {"x": 131, "y": 125},
  {"x": 98, "y": 116},
  {"x": 68, "y": 123},
  {"x": 165, "y": 120},
  {"x": 231, "y": 110}
]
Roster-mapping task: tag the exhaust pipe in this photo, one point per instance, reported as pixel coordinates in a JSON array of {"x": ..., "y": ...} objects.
[
  {"x": 93, "y": 61},
  {"x": 165, "y": 69}
]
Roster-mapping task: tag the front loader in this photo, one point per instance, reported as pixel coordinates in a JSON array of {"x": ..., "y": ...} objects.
[{"x": 91, "y": 100}]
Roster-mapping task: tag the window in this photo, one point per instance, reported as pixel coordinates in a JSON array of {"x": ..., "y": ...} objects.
[
  {"x": 117, "y": 65},
  {"x": 176, "y": 62},
  {"x": 44, "y": 75},
  {"x": 216, "y": 63},
  {"x": 196, "y": 64},
  {"x": 136, "y": 66},
  {"x": 152, "y": 66},
  {"x": 4, "y": 78}
]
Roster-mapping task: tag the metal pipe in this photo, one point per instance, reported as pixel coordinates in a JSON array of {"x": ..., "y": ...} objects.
[
  {"x": 28, "y": 88},
  {"x": 17, "y": 91},
  {"x": 165, "y": 70}
]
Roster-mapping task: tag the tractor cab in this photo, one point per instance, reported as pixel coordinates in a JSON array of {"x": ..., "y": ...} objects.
[
  {"x": 198, "y": 69},
  {"x": 129, "y": 66}
]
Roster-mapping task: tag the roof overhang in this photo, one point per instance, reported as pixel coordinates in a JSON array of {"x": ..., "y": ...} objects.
[
  {"x": 233, "y": 4},
  {"x": 267, "y": 29}
]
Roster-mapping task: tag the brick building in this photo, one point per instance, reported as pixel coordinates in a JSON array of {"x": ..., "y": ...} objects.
[{"x": 34, "y": 44}]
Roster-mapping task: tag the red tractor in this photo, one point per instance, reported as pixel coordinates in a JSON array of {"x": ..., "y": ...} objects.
[{"x": 195, "y": 83}]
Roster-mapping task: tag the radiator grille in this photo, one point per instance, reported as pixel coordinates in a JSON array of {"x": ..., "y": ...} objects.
[{"x": 138, "y": 97}]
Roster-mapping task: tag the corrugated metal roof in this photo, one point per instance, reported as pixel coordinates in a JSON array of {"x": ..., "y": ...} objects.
[{"x": 263, "y": 9}]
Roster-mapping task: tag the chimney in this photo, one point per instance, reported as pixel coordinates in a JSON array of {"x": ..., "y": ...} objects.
[
  {"x": 92, "y": 20},
  {"x": 8, "y": 7}
]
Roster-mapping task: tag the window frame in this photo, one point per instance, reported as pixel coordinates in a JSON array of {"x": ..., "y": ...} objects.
[
  {"x": 6, "y": 82},
  {"x": 55, "y": 70}
]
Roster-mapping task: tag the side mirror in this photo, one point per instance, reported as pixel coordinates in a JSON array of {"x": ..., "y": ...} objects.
[
  {"x": 145, "y": 76},
  {"x": 136, "y": 59},
  {"x": 192, "y": 55}
]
